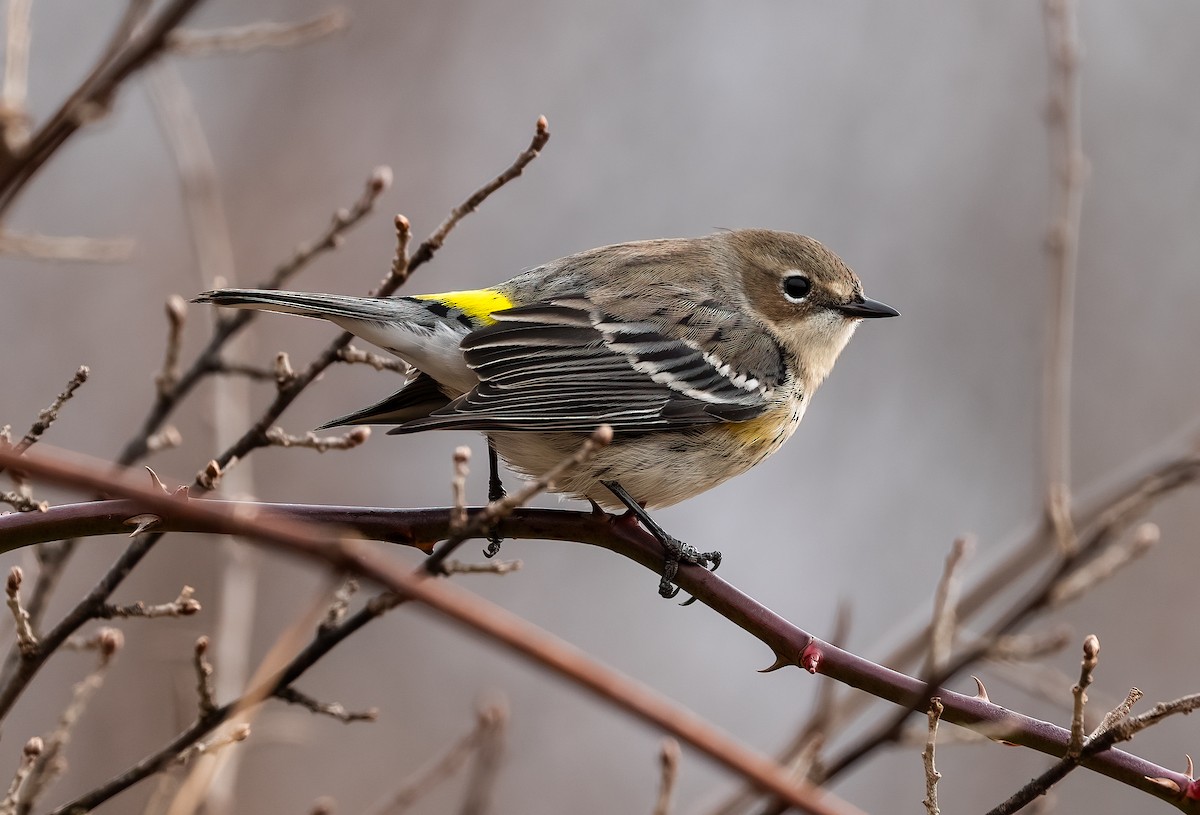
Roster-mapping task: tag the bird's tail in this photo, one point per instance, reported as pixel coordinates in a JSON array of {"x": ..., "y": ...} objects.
[{"x": 312, "y": 304}]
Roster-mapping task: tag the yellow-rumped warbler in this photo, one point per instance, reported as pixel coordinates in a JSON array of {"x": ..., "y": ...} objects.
[{"x": 701, "y": 353}]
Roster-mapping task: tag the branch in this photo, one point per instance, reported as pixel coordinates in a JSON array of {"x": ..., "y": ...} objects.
[
  {"x": 466, "y": 609},
  {"x": 791, "y": 644}
]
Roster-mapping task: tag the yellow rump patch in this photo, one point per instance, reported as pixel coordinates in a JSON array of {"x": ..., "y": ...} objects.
[{"x": 478, "y": 304}]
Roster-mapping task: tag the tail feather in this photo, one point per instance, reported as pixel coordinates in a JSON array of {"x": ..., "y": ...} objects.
[{"x": 312, "y": 304}]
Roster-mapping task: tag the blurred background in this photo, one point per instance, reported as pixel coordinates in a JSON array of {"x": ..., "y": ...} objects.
[{"x": 908, "y": 137}]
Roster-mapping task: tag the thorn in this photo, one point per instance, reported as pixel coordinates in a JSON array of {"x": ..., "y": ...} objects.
[
  {"x": 980, "y": 691},
  {"x": 141, "y": 523},
  {"x": 182, "y": 493},
  {"x": 1190, "y": 770},
  {"x": 810, "y": 658},
  {"x": 780, "y": 662},
  {"x": 1165, "y": 783},
  {"x": 157, "y": 482}
]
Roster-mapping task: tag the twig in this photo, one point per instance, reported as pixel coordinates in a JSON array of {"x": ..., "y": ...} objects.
[
  {"x": 29, "y": 756},
  {"x": 176, "y": 310},
  {"x": 944, "y": 626},
  {"x": 14, "y": 114},
  {"x": 204, "y": 676},
  {"x": 21, "y": 501},
  {"x": 340, "y": 605},
  {"x": 424, "y": 780},
  {"x": 185, "y": 605},
  {"x": 331, "y": 709},
  {"x": 77, "y": 248},
  {"x": 932, "y": 776},
  {"x": 239, "y": 732},
  {"x": 26, "y": 640},
  {"x": 1104, "y": 566},
  {"x": 1069, "y": 168},
  {"x": 458, "y": 489},
  {"x": 278, "y": 437},
  {"x": 47, "y": 416},
  {"x": 491, "y": 567},
  {"x": 356, "y": 356},
  {"x": 668, "y": 760},
  {"x": 488, "y": 754},
  {"x": 50, "y": 762},
  {"x": 1117, "y": 726},
  {"x": 1091, "y": 655},
  {"x": 503, "y": 507},
  {"x": 209, "y": 360},
  {"x": 256, "y": 36},
  {"x": 434, "y": 242}
]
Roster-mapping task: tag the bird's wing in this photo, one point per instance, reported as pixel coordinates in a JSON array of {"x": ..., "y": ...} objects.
[{"x": 570, "y": 365}]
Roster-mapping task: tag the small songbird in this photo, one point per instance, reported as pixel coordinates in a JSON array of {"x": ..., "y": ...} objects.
[{"x": 702, "y": 354}]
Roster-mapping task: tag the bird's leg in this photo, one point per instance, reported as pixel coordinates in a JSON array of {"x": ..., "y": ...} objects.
[
  {"x": 676, "y": 551},
  {"x": 496, "y": 491}
]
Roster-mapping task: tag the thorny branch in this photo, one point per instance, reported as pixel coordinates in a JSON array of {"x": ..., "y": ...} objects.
[
  {"x": 782, "y": 637},
  {"x": 466, "y": 609}
]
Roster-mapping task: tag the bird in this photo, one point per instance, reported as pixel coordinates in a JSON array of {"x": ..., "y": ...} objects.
[{"x": 702, "y": 354}]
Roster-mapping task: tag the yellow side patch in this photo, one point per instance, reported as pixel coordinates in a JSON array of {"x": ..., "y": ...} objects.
[
  {"x": 478, "y": 304},
  {"x": 768, "y": 430}
]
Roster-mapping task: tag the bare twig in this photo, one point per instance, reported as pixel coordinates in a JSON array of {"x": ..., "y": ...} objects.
[
  {"x": 78, "y": 248},
  {"x": 22, "y": 501},
  {"x": 204, "y": 678},
  {"x": 1069, "y": 167},
  {"x": 489, "y": 753},
  {"x": 458, "y": 488},
  {"x": 424, "y": 780},
  {"x": 176, "y": 310},
  {"x": 257, "y": 36},
  {"x": 425, "y": 252},
  {"x": 14, "y": 114},
  {"x": 50, "y": 763},
  {"x": 1091, "y": 655},
  {"x": 185, "y": 605},
  {"x": 668, "y": 761},
  {"x": 503, "y": 507},
  {"x": 340, "y": 605},
  {"x": 491, "y": 567},
  {"x": 1104, "y": 566},
  {"x": 239, "y": 732},
  {"x": 932, "y": 776},
  {"x": 944, "y": 627},
  {"x": 278, "y": 437},
  {"x": 379, "y": 362},
  {"x": 48, "y": 415},
  {"x": 331, "y": 709},
  {"x": 29, "y": 756},
  {"x": 26, "y": 640}
]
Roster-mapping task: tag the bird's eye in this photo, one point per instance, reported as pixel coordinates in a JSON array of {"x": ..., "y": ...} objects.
[{"x": 796, "y": 287}]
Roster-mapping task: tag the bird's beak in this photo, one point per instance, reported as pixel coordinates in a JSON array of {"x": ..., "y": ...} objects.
[{"x": 866, "y": 308}]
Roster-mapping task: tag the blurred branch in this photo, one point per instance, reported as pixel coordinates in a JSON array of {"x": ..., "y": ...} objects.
[
  {"x": 65, "y": 247},
  {"x": 419, "y": 785},
  {"x": 257, "y": 36},
  {"x": 786, "y": 640},
  {"x": 90, "y": 100},
  {"x": 14, "y": 113},
  {"x": 1069, "y": 168}
]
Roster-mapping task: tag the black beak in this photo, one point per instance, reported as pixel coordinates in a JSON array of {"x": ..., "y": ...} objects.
[{"x": 865, "y": 308}]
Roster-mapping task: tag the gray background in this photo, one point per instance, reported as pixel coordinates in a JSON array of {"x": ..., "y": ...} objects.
[{"x": 906, "y": 136}]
